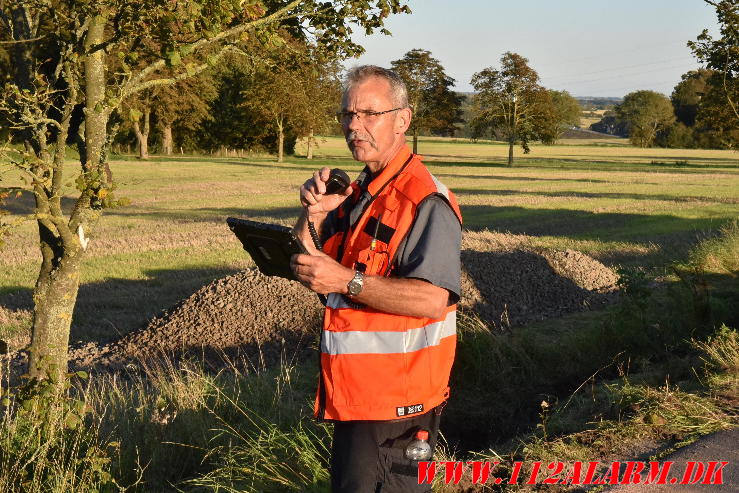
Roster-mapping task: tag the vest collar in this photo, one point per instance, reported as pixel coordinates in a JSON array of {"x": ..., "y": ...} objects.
[{"x": 390, "y": 170}]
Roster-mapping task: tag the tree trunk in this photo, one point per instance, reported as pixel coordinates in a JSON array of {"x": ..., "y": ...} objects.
[
  {"x": 280, "y": 140},
  {"x": 142, "y": 136},
  {"x": 54, "y": 297},
  {"x": 63, "y": 242},
  {"x": 511, "y": 143},
  {"x": 415, "y": 141},
  {"x": 96, "y": 113},
  {"x": 309, "y": 155},
  {"x": 167, "y": 143}
]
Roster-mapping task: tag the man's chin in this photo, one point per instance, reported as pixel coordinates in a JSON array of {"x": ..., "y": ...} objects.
[{"x": 360, "y": 152}]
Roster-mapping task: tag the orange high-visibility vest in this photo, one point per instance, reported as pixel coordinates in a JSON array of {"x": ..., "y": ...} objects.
[{"x": 376, "y": 365}]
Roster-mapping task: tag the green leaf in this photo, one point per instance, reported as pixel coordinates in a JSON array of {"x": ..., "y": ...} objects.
[{"x": 173, "y": 58}]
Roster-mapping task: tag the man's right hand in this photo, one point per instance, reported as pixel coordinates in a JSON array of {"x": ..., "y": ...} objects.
[{"x": 313, "y": 195}]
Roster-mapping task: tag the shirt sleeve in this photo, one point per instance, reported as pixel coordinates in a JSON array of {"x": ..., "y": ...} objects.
[{"x": 431, "y": 249}]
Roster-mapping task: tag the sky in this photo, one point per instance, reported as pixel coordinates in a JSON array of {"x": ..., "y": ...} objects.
[{"x": 595, "y": 48}]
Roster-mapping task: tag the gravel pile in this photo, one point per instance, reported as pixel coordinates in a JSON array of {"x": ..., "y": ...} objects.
[
  {"x": 505, "y": 281},
  {"x": 248, "y": 314},
  {"x": 508, "y": 284}
]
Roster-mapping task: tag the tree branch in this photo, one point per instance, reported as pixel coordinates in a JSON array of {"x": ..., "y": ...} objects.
[
  {"x": 20, "y": 41},
  {"x": 182, "y": 76},
  {"x": 134, "y": 81},
  {"x": 726, "y": 87}
]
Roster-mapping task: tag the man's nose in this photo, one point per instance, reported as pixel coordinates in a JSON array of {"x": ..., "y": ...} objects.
[{"x": 355, "y": 122}]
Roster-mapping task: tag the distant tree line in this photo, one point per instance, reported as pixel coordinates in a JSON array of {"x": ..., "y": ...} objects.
[
  {"x": 703, "y": 109},
  {"x": 696, "y": 115},
  {"x": 292, "y": 92}
]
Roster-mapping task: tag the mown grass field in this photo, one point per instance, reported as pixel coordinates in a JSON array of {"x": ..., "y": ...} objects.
[
  {"x": 620, "y": 204},
  {"x": 630, "y": 380}
]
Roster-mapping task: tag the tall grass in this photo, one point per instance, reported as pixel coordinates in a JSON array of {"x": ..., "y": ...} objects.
[
  {"x": 719, "y": 255},
  {"x": 50, "y": 443},
  {"x": 238, "y": 430}
]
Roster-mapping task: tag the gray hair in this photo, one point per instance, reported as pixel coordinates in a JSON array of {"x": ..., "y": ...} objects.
[{"x": 398, "y": 91}]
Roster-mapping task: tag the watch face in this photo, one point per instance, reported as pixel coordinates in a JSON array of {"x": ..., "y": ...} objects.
[{"x": 355, "y": 285}]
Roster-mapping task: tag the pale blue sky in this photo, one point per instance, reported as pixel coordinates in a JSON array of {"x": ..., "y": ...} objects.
[{"x": 588, "y": 47}]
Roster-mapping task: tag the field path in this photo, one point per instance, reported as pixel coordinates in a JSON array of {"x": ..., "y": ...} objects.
[{"x": 719, "y": 446}]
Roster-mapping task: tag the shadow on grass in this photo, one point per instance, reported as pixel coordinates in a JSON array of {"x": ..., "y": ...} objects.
[
  {"x": 600, "y": 164},
  {"x": 600, "y": 195},
  {"x": 674, "y": 236},
  {"x": 523, "y": 178},
  {"x": 25, "y": 204},
  {"x": 106, "y": 310},
  {"x": 210, "y": 214}
]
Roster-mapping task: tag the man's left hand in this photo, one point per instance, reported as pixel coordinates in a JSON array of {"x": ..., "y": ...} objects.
[{"x": 321, "y": 273}]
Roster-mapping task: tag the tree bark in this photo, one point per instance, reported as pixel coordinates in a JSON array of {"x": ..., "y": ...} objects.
[
  {"x": 511, "y": 143},
  {"x": 415, "y": 141},
  {"x": 54, "y": 297},
  {"x": 142, "y": 136},
  {"x": 167, "y": 143},
  {"x": 96, "y": 112},
  {"x": 309, "y": 154},
  {"x": 512, "y": 132},
  {"x": 280, "y": 140}
]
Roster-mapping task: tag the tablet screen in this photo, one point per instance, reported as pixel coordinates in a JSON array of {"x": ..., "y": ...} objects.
[{"x": 270, "y": 245}]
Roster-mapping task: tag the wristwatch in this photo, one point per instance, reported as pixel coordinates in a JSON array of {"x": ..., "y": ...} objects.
[{"x": 356, "y": 284}]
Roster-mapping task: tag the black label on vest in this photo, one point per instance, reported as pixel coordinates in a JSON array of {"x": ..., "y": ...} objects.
[
  {"x": 384, "y": 232},
  {"x": 408, "y": 410}
]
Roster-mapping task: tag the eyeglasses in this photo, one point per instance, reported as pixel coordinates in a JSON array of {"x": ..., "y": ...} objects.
[{"x": 366, "y": 116}]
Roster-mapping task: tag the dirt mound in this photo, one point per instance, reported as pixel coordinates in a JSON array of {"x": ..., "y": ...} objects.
[
  {"x": 508, "y": 283},
  {"x": 247, "y": 311},
  {"x": 505, "y": 280}
]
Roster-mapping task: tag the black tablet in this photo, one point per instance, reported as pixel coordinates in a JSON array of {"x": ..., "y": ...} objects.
[{"x": 270, "y": 245}]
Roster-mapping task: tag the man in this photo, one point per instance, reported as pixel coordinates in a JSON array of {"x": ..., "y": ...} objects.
[{"x": 390, "y": 269}]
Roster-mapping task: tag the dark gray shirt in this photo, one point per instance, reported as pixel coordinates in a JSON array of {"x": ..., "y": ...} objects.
[{"x": 431, "y": 249}]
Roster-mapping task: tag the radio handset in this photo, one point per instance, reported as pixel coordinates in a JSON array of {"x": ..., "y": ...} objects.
[{"x": 338, "y": 181}]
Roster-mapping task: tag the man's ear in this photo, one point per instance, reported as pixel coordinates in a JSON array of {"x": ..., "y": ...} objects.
[{"x": 403, "y": 121}]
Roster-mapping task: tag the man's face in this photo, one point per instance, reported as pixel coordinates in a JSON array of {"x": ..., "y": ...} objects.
[{"x": 374, "y": 140}]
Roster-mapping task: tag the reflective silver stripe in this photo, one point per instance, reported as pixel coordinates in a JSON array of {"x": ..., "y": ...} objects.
[
  {"x": 336, "y": 301},
  {"x": 379, "y": 342},
  {"x": 440, "y": 187}
]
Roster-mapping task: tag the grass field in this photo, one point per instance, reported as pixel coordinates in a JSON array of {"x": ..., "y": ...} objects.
[
  {"x": 644, "y": 374},
  {"x": 621, "y": 204},
  {"x": 590, "y": 117}
]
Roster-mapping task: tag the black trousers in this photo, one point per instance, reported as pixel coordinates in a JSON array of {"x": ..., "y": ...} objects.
[{"x": 369, "y": 456}]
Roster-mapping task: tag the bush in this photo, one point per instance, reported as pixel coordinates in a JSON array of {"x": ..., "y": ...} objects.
[{"x": 677, "y": 136}]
